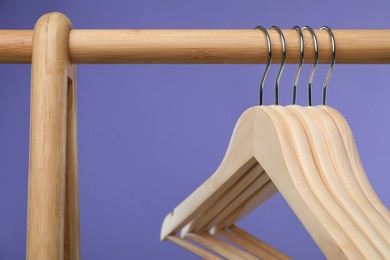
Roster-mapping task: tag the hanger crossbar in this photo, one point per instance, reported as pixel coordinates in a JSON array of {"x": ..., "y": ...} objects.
[{"x": 202, "y": 46}]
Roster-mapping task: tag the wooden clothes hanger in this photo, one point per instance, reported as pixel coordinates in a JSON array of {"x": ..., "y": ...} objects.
[
  {"x": 351, "y": 217},
  {"x": 356, "y": 164},
  {"x": 259, "y": 146},
  {"x": 346, "y": 174},
  {"x": 309, "y": 156}
]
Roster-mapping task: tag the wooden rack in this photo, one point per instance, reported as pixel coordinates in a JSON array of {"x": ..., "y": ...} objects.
[{"x": 53, "y": 48}]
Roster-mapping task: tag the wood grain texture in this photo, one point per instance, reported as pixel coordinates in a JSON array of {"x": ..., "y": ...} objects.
[
  {"x": 246, "y": 245},
  {"x": 307, "y": 156},
  {"x": 220, "y": 205},
  {"x": 237, "y": 205},
  {"x": 357, "y": 165},
  {"x": 362, "y": 211},
  {"x": 282, "y": 149},
  {"x": 72, "y": 211},
  {"x": 247, "y": 205},
  {"x": 48, "y": 140},
  {"x": 193, "y": 248},
  {"x": 257, "y": 242},
  {"x": 221, "y": 247},
  {"x": 239, "y": 159},
  {"x": 203, "y": 46},
  {"x": 16, "y": 46},
  {"x": 287, "y": 148}
]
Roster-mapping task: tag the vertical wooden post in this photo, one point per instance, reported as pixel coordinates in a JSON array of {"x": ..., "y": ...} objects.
[
  {"x": 72, "y": 215},
  {"x": 53, "y": 145}
]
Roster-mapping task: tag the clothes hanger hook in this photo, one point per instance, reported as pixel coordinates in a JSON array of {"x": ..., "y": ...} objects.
[
  {"x": 281, "y": 65},
  {"x": 333, "y": 42},
  {"x": 301, "y": 56},
  {"x": 313, "y": 70},
  {"x": 268, "y": 63}
]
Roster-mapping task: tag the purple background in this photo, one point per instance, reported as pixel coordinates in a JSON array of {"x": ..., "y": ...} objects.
[{"x": 150, "y": 134}]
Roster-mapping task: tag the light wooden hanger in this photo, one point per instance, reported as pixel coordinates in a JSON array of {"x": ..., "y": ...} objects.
[
  {"x": 341, "y": 159},
  {"x": 303, "y": 154},
  {"x": 345, "y": 173},
  {"x": 359, "y": 173},
  {"x": 261, "y": 142},
  {"x": 347, "y": 214}
]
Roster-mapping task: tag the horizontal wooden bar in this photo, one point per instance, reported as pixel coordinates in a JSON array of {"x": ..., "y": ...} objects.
[
  {"x": 202, "y": 46},
  {"x": 15, "y": 46}
]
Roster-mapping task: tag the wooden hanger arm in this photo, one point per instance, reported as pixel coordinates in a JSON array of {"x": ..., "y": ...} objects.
[
  {"x": 238, "y": 160},
  {"x": 222, "y": 206},
  {"x": 257, "y": 242},
  {"x": 193, "y": 248},
  {"x": 356, "y": 163},
  {"x": 221, "y": 247}
]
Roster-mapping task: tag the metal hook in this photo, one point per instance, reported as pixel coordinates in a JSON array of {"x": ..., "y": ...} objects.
[
  {"x": 313, "y": 71},
  {"x": 281, "y": 65},
  {"x": 268, "y": 63},
  {"x": 326, "y": 28},
  {"x": 301, "y": 56}
]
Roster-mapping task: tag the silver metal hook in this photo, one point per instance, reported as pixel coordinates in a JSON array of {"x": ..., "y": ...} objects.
[
  {"x": 301, "y": 56},
  {"x": 281, "y": 65},
  {"x": 268, "y": 63},
  {"x": 326, "y": 28},
  {"x": 313, "y": 71}
]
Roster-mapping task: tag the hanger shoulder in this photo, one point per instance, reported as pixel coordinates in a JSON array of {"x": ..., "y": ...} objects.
[
  {"x": 356, "y": 164},
  {"x": 374, "y": 224},
  {"x": 343, "y": 208},
  {"x": 237, "y": 161},
  {"x": 312, "y": 202}
]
